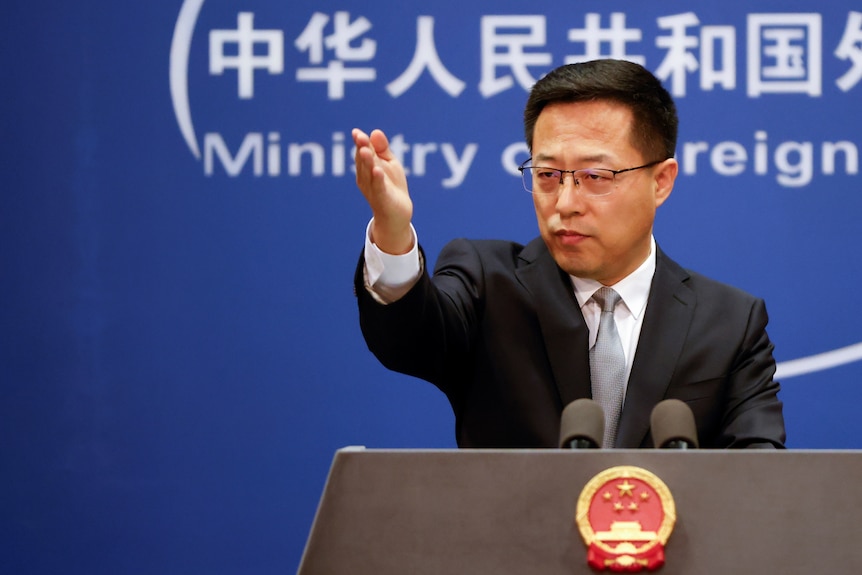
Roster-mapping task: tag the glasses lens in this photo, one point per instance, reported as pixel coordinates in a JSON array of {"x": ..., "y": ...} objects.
[
  {"x": 541, "y": 180},
  {"x": 591, "y": 181},
  {"x": 595, "y": 182}
]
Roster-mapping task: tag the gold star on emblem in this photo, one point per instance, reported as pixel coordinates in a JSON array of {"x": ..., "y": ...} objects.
[
  {"x": 626, "y": 488},
  {"x": 607, "y": 496},
  {"x": 644, "y": 495},
  {"x": 633, "y": 506},
  {"x": 618, "y": 506}
]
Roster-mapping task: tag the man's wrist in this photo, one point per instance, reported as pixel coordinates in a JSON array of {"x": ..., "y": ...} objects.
[{"x": 391, "y": 275}]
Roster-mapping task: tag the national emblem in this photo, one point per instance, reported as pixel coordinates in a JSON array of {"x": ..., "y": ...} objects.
[{"x": 625, "y": 515}]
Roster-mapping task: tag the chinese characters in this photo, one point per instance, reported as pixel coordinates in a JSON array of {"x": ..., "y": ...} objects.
[{"x": 784, "y": 52}]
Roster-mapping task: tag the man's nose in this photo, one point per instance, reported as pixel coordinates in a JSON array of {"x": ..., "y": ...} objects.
[{"x": 569, "y": 198}]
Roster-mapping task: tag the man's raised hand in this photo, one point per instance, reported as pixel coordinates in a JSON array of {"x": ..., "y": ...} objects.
[{"x": 380, "y": 177}]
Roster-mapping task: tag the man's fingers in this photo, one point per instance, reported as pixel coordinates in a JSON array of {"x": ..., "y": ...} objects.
[
  {"x": 378, "y": 173},
  {"x": 377, "y": 141},
  {"x": 364, "y": 156},
  {"x": 360, "y": 138},
  {"x": 368, "y": 150},
  {"x": 369, "y": 176},
  {"x": 381, "y": 145}
]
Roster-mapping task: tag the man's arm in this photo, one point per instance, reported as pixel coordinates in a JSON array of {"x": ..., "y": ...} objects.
[
  {"x": 753, "y": 413},
  {"x": 429, "y": 331}
]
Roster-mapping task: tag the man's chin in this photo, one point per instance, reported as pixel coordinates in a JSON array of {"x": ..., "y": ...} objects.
[{"x": 574, "y": 266}]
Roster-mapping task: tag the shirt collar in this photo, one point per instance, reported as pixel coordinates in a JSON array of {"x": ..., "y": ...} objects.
[{"x": 633, "y": 289}]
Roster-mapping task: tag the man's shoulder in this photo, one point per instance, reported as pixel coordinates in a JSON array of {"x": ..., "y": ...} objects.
[
  {"x": 719, "y": 288},
  {"x": 706, "y": 287},
  {"x": 493, "y": 249}
]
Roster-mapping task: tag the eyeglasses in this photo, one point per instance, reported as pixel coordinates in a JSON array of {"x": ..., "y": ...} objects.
[{"x": 592, "y": 182}]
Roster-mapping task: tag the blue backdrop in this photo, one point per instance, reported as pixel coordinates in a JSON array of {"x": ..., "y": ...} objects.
[{"x": 180, "y": 354}]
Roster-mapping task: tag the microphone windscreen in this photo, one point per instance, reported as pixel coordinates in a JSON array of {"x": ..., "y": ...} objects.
[
  {"x": 672, "y": 420},
  {"x": 582, "y": 419}
]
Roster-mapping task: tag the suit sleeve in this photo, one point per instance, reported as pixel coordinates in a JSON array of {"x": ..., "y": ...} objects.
[
  {"x": 428, "y": 333},
  {"x": 753, "y": 413}
]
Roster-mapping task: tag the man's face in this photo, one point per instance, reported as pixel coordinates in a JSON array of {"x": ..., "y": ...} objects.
[{"x": 608, "y": 237}]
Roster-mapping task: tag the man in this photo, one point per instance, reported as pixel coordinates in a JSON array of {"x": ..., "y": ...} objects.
[{"x": 506, "y": 331}]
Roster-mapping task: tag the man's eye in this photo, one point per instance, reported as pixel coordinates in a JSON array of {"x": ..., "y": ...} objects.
[
  {"x": 597, "y": 176},
  {"x": 548, "y": 174}
]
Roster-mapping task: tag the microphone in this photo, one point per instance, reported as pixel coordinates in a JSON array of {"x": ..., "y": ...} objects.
[
  {"x": 582, "y": 425},
  {"x": 673, "y": 426}
]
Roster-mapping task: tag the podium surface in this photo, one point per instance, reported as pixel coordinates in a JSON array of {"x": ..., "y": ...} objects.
[{"x": 513, "y": 511}]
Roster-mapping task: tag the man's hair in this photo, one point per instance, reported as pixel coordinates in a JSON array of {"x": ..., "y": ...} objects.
[{"x": 654, "y": 129}]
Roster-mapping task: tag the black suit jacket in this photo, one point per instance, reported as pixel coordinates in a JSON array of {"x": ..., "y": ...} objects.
[{"x": 498, "y": 329}]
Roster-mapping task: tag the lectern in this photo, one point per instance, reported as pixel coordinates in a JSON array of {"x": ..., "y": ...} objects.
[{"x": 481, "y": 512}]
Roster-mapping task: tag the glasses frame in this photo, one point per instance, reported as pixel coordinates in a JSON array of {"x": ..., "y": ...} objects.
[{"x": 523, "y": 167}]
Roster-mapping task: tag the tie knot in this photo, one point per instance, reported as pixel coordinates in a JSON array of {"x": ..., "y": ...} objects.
[{"x": 607, "y": 298}]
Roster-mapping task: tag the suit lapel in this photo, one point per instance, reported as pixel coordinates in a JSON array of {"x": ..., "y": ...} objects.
[
  {"x": 563, "y": 328},
  {"x": 669, "y": 311}
]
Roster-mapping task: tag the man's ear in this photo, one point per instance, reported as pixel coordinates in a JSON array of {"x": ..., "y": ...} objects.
[{"x": 665, "y": 176}]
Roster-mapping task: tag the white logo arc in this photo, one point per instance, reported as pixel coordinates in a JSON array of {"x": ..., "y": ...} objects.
[
  {"x": 179, "y": 77},
  {"x": 819, "y": 362}
]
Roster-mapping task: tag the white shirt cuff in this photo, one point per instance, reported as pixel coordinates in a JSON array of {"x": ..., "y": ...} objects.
[{"x": 389, "y": 277}]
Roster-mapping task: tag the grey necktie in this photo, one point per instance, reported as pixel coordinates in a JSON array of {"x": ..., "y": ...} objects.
[{"x": 608, "y": 365}]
